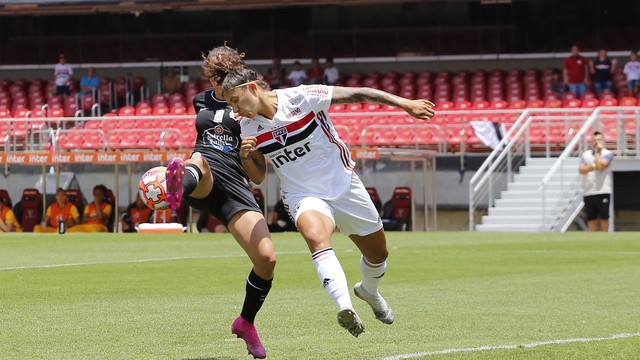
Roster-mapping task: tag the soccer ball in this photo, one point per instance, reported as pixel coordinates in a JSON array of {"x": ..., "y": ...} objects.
[{"x": 153, "y": 188}]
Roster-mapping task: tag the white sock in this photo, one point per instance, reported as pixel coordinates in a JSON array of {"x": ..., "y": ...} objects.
[
  {"x": 332, "y": 277},
  {"x": 372, "y": 275}
]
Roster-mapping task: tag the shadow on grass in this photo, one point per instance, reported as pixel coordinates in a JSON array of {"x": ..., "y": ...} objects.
[{"x": 211, "y": 358}]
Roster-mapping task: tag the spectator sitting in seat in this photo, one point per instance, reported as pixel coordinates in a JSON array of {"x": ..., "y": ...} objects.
[
  {"x": 96, "y": 214},
  {"x": 60, "y": 210},
  {"x": 280, "y": 220},
  {"x": 89, "y": 83},
  {"x": 331, "y": 73},
  {"x": 171, "y": 82},
  {"x": 297, "y": 76},
  {"x": 389, "y": 222},
  {"x": 8, "y": 220},
  {"x": 556, "y": 84},
  {"x": 276, "y": 74},
  {"x": 315, "y": 72},
  {"x": 137, "y": 212}
]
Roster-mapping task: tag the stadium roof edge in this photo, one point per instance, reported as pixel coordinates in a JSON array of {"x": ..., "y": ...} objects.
[
  {"x": 81, "y": 7},
  {"x": 360, "y": 60}
]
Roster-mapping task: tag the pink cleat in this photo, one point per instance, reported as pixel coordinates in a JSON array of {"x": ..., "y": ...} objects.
[
  {"x": 174, "y": 176},
  {"x": 247, "y": 332}
]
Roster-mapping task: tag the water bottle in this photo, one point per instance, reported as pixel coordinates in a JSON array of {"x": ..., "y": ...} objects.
[{"x": 61, "y": 225}]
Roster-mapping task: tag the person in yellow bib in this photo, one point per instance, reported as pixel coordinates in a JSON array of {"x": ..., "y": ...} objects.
[
  {"x": 8, "y": 221},
  {"x": 61, "y": 209},
  {"x": 96, "y": 214}
]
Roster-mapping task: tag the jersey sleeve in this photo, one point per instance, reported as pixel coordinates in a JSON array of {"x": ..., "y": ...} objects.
[
  {"x": 198, "y": 101},
  {"x": 74, "y": 212},
  {"x": 318, "y": 96},
  {"x": 107, "y": 210}
]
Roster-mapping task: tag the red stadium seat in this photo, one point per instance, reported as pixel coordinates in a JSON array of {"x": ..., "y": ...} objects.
[
  {"x": 462, "y": 105},
  {"x": 6, "y": 199},
  {"x": 480, "y": 105},
  {"x": 401, "y": 202},
  {"x": 178, "y": 110},
  {"x": 518, "y": 104},
  {"x": 127, "y": 111},
  {"x": 627, "y": 101},
  {"x": 160, "y": 110},
  {"x": 143, "y": 111},
  {"x": 31, "y": 209},
  {"x": 609, "y": 102},
  {"x": 553, "y": 103},
  {"x": 537, "y": 103},
  {"x": 355, "y": 107},
  {"x": 571, "y": 103},
  {"x": 590, "y": 103},
  {"x": 75, "y": 197},
  {"x": 499, "y": 104},
  {"x": 375, "y": 198}
]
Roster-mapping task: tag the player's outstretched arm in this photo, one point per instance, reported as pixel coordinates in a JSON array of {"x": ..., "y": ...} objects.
[
  {"x": 252, "y": 161},
  {"x": 420, "y": 109}
]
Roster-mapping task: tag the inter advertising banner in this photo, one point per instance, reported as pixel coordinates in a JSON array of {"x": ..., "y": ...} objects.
[{"x": 93, "y": 157}]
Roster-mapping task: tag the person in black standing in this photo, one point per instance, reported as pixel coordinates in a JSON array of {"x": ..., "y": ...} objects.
[
  {"x": 602, "y": 69},
  {"x": 213, "y": 180}
]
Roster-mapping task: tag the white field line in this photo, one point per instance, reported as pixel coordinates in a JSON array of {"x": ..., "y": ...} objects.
[
  {"x": 49, "y": 266},
  {"x": 597, "y": 252},
  {"x": 510, "y": 347}
]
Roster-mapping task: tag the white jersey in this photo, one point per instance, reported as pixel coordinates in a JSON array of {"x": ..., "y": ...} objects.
[
  {"x": 632, "y": 70},
  {"x": 597, "y": 182},
  {"x": 302, "y": 144},
  {"x": 63, "y": 74}
]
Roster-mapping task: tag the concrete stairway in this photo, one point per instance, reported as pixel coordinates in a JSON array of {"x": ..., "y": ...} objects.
[{"x": 519, "y": 208}]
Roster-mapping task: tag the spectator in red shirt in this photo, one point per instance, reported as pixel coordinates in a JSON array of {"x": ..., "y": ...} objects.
[{"x": 576, "y": 72}]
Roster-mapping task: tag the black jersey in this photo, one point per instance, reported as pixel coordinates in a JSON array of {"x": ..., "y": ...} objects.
[
  {"x": 218, "y": 138},
  {"x": 219, "y": 143}
]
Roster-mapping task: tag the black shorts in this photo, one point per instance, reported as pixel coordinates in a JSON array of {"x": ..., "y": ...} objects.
[
  {"x": 229, "y": 196},
  {"x": 597, "y": 206},
  {"x": 62, "y": 90}
]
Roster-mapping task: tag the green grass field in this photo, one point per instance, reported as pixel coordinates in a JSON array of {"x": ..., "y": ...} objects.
[{"x": 540, "y": 296}]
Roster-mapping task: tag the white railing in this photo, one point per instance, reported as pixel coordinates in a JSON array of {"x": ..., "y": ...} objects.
[
  {"x": 516, "y": 146},
  {"x": 563, "y": 173}
]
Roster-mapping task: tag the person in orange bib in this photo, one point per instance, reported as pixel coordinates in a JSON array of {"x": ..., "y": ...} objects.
[
  {"x": 96, "y": 214},
  {"x": 61, "y": 209},
  {"x": 8, "y": 221},
  {"x": 135, "y": 214}
]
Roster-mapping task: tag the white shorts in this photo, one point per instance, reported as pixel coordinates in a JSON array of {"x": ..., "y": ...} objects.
[{"x": 353, "y": 212}]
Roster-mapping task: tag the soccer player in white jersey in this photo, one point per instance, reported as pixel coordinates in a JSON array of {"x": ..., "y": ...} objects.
[{"x": 318, "y": 185}]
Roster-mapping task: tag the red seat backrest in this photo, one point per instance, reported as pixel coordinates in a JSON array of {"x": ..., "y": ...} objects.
[
  {"x": 31, "y": 206},
  {"x": 212, "y": 222},
  {"x": 373, "y": 193},
  {"x": 74, "y": 196},
  {"x": 401, "y": 201},
  {"x": 257, "y": 194},
  {"x": 6, "y": 199}
]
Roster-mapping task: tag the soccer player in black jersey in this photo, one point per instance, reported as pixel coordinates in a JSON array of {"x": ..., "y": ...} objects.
[{"x": 213, "y": 180}]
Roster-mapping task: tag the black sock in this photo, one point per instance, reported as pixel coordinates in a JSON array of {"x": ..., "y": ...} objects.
[
  {"x": 257, "y": 290},
  {"x": 192, "y": 176}
]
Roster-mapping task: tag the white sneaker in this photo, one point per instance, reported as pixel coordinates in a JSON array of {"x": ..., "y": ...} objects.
[
  {"x": 348, "y": 319},
  {"x": 381, "y": 309}
]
